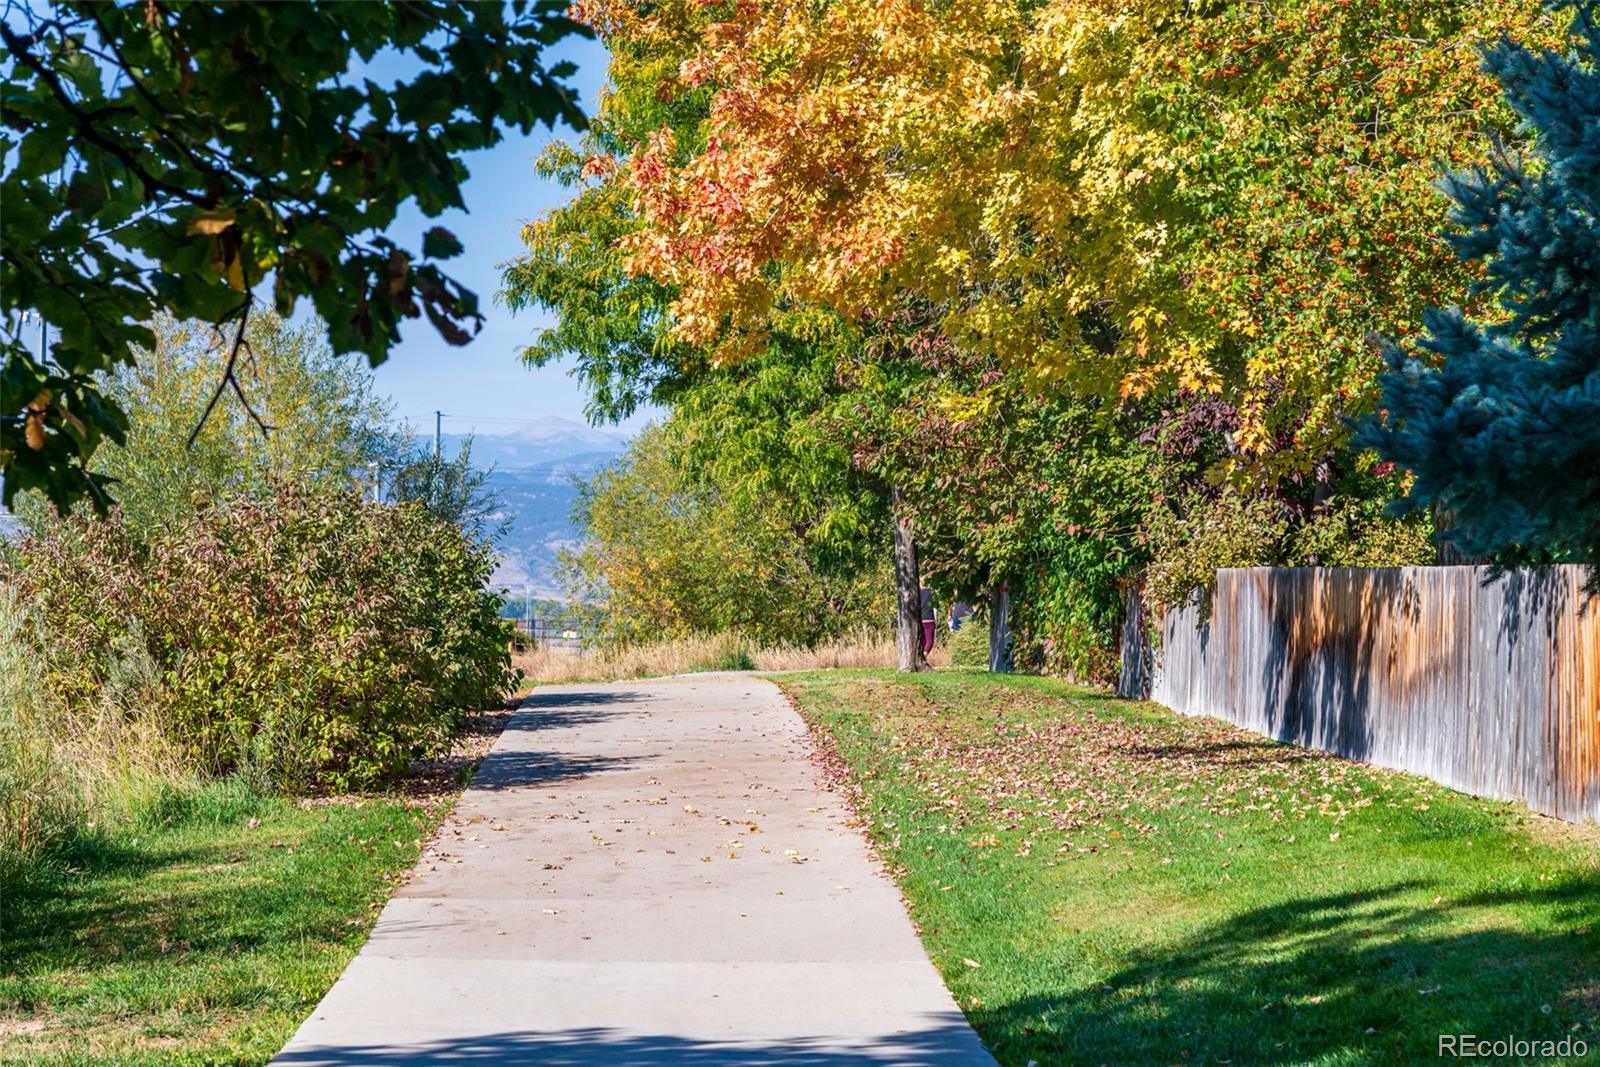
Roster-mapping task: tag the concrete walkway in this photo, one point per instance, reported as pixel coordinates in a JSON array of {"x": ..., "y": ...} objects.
[{"x": 644, "y": 873}]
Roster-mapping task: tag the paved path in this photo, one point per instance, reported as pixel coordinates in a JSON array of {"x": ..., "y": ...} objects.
[{"x": 644, "y": 873}]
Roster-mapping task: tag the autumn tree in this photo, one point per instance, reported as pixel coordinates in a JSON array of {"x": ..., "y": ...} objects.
[
  {"x": 1107, "y": 271},
  {"x": 762, "y": 429},
  {"x": 1126, "y": 202}
]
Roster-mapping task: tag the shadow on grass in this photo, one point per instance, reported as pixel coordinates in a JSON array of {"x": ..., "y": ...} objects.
[
  {"x": 162, "y": 904},
  {"x": 1222, "y": 753},
  {"x": 36, "y": 896},
  {"x": 949, "y": 1043},
  {"x": 1366, "y": 977}
]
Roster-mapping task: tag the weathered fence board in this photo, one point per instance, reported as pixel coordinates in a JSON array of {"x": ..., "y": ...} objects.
[{"x": 1489, "y": 685}]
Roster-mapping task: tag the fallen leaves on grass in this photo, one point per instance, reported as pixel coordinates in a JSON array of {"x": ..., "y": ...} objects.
[{"x": 1045, "y": 763}]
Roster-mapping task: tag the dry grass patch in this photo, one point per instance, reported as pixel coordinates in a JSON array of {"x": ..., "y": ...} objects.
[{"x": 723, "y": 652}]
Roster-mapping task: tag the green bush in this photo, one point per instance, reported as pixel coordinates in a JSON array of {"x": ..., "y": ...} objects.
[
  {"x": 71, "y": 769},
  {"x": 969, "y": 646},
  {"x": 733, "y": 659},
  {"x": 1357, "y": 532},
  {"x": 1191, "y": 544},
  {"x": 302, "y": 638}
]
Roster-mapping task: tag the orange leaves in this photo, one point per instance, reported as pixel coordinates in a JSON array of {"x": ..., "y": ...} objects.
[
  {"x": 1104, "y": 196},
  {"x": 824, "y": 162},
  {"x": 34, "y": 416},
  {"x": 598, "y": 166}
]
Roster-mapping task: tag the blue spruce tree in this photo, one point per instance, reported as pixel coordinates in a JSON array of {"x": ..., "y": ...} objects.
[{"x": 1500, "y": 422}]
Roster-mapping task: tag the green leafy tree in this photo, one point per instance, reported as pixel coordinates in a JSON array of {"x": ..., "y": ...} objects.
[
  {"x": 668, "y": 553},
  {"x": 613, "y": 325},
  {"x": 164, "y": 157},
  {"x": 1499, "y": 422},
  {"x": 330, "y": 429},
  {"x": 452, "y": 489}
]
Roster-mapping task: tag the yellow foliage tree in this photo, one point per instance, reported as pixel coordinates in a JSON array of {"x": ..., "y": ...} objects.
[{"x": 1120, "y": 197}]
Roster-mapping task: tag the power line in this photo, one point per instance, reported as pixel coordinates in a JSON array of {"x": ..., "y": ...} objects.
[{"x": 497, "y": 418}]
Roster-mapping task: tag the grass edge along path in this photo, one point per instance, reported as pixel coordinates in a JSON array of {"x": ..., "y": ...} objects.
[
  {"x": 1105, "y": 881},
  {"x": 209, "y": 931}
]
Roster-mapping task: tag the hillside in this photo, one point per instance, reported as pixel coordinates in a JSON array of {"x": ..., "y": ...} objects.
[{"x": 535, "y": 470}]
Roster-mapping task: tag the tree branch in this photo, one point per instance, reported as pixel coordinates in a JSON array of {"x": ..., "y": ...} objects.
[{"x": 229, "y": 379}]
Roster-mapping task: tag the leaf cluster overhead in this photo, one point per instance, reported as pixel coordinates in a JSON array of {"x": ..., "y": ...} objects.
[{"x": 187, "y": 157}]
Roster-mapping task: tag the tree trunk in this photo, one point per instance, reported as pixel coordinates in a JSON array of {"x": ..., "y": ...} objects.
[
  {"x": 908, "y": 587},
  {"x": 1000, "y": 628},
  {"x": 1448, "y": 555}
]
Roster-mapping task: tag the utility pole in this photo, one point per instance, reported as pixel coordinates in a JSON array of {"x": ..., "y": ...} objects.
[
  {"x": 438, "y": 425},
  {"x": 44, "y": 333}
]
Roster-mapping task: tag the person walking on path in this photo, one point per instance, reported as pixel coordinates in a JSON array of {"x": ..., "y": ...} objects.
[{"x": 927, "y": 620}]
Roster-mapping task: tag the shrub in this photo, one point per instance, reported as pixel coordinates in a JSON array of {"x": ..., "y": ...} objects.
[
  {"x": 302, "y": 638},
  {"x": 732, "y": 659},
  {"x": 969, "y": 646},
  {"x": 68, "y": 769},
  {"x": 1189, "y": 548},
  {"x": 1356, "y": 532}
]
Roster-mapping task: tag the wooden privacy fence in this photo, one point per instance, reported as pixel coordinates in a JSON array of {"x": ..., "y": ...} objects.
[{"x": 1488, "y": 685}]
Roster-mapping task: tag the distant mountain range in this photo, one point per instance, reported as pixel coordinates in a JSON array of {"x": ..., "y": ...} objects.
[{"x": 535, "y": 470}]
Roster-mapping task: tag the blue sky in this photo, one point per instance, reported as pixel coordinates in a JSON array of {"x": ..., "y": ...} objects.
[{"x": 484, "y": 387}]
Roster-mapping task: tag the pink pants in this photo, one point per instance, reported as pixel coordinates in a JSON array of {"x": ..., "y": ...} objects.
[{"x": 927, "y": 636}]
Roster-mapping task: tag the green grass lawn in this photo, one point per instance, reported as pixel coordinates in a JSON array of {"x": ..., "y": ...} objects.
[
  {"x": 204, "y": 938},
  {"x": 1103, "y": 881}
]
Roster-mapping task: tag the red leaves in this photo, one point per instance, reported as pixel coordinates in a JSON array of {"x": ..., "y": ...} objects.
[{"x": 599, "y": 166}]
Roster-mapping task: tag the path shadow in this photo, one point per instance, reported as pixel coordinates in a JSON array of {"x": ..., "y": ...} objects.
[
  {"x": 514, "y": 770},
  {"x": 546, "y": 711},
  {"x": 948, "y": 1044},
  {"x": 587, "y": 698}
]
